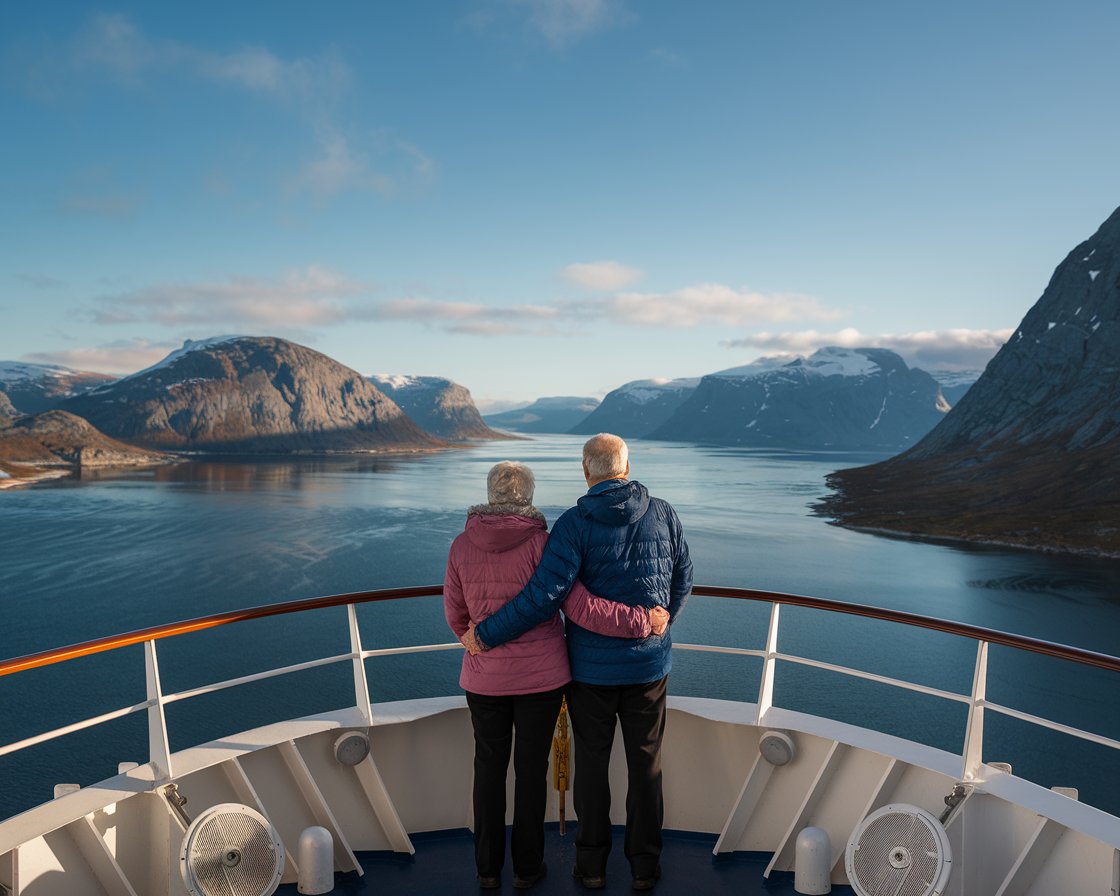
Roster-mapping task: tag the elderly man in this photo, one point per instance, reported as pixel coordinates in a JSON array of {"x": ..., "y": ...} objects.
[{"x": 629, "y": 547}]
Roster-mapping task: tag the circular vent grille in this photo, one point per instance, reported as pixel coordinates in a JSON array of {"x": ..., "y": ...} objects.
[
  {"x": 898, "y": 850},
  {"x": 231, "y": 850}
]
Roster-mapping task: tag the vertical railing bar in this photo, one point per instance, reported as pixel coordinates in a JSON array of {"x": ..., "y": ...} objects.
[
  {"x": 361, "y": 685},
  {"x": 159, "y": 750},
  {"x": 972, "y": 756},
  {"x": 766, "y": 686}
]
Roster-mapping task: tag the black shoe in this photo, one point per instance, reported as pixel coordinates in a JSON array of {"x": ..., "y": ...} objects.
[
  {"x": 590, "y": 881},
  {"x": 647, "y": 883},
  {"x": 489, "y": 883},
  {"x": 523, "y": 883}
]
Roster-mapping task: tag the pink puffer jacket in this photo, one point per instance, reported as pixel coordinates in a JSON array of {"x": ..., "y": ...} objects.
[{"x": 488, "y": 564}]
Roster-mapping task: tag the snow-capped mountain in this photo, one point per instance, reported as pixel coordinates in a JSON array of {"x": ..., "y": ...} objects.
[
  {"x": 553, "y": 414},
  {"x": 837, "y": 398},
  {"x": 1030, "y": 454},
  {"x": 438, "y": 405},
  {"x": 253, "y": 394},
  {"x": 34, "y": 388},
  {"x": 636, "y": 409}
]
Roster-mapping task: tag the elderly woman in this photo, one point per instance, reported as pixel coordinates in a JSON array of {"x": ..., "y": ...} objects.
[{"x": 514, "y": 691}]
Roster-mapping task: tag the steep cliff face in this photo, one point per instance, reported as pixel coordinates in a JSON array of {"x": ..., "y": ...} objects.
[
  {"x": 438, "y": 405},
  {"x": 250, "y": 394},
  {"x": 1029, "y": 455},
  {"x": 7, "y": 409},
  {"x": 636, "y": 409},
  {"x": 56, "y": 438},
  {"x": 34, "y": 388},
  {"x": 553, "y": 414},
  {"x": 840, "y": 399}
]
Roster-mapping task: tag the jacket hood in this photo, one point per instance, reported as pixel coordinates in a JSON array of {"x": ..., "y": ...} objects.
[
  {"x": 616, "y": 502},
  {"x": 494, "y": 531}
]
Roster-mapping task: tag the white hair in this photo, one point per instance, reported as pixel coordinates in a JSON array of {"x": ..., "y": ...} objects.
[
  {"x": 509, "y": 482},
  {"x": 605, "y": 456}
]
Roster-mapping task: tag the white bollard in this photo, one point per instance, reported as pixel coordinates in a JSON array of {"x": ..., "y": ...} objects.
[
  {"x": 812, "y": 863},
  {"x": 316, "y": 861}
]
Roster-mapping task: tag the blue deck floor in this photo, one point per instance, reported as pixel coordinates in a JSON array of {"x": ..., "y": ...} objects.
[{"x": 444, "y": 863}]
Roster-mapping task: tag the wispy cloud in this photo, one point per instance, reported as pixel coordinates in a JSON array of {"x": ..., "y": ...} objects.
[
  {"x": 316, "y": 296},
  {"x": 560, "y": 22},
  {"x": 340, "y": 167},
  {"x": 311, "y": 89},
  {"x": 115, "y": 43},
  {"x": 472, "y": 318},
  {"x": 708, "y": 303},
  {"x": 114, "y": 358},
  {"x": 605, "y": 276},
  {"x": 313, "y": 296},
  {"x": 955, "y": 349}
]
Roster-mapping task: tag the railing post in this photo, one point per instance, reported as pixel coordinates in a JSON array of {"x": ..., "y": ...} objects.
[
  {"x": 766, "y": 687},
  {"x": 361, "y": 686},
  {"x": 159, "y": 751},
  {"x": 973, "y": 753}
]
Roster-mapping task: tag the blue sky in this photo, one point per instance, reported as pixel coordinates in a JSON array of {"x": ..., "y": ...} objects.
[{"x": 546, "y": 197}]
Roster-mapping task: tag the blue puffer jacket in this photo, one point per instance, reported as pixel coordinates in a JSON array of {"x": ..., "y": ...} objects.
[{"x": 624, "y": 545}]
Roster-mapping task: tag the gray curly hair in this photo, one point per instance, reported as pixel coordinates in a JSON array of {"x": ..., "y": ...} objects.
[{"x": 509, "y": 482}]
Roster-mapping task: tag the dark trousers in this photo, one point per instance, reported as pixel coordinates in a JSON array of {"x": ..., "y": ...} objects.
[
  {"x": 640, "y": 710},
  {"x": 495, "y": 720}
]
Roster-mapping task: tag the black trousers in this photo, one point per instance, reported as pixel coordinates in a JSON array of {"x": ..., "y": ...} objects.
[
  {"x": 496, "y": 720},
  {"x": 640, "y": 710}
]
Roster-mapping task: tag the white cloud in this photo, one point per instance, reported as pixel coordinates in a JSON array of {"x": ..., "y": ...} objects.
[
  {"x": 605, "y": 276},
  {"x": 313, "y": 296},
  {"x": 115, "y": 358},
  {"x": 562, "y": 22},
  {"x": 954, "y": 349},
  {"x": 709, "y": 303}
]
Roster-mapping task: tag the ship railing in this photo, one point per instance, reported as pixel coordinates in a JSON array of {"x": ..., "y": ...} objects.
[{"x": 162, "y": 762}]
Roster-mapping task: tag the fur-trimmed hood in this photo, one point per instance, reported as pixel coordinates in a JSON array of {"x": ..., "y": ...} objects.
[
  {"x": 496, "y": 528},
  {"x": 507, "y": 510}
]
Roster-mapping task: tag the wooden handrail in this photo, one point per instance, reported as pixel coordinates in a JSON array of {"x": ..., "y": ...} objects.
[{"x": 100, "y": 645}]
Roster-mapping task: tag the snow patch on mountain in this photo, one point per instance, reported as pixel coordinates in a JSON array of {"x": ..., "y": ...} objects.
[
  {"x": 16, "y": 371},
  {"x": 190, "y": 345},
  {"x": 645, "y": 391}
]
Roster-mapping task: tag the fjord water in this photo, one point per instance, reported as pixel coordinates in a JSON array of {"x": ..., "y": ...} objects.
[{"x": 81, "y": 559}]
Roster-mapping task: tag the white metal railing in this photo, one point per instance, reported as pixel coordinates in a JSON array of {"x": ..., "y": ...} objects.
[{"x": 155, "y": 704}]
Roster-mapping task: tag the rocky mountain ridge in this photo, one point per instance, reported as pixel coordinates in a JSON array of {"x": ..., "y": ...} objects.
[
  {"x": 1029, "y": 455},
  {"x": 837, "y": 398},
  {"x": 438, "y": 405},
  {"x": 637, "y": 408},
  {"x": 61, "y": 439},
  {"x": 250, "y": 394}
]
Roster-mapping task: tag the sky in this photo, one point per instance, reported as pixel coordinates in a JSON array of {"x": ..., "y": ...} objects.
[{"x": 546, "y": 197}]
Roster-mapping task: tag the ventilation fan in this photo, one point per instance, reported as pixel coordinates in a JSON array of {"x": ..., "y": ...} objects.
[
  {"x": 231, "y": 850},
  {"x": 898, "y": 850}
]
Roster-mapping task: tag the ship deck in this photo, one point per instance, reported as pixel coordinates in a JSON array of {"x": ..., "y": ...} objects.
[{"x": 444, "y": 863}]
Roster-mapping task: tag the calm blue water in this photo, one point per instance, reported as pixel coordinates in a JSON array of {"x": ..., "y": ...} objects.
[{"x": 83, "y": 559}]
